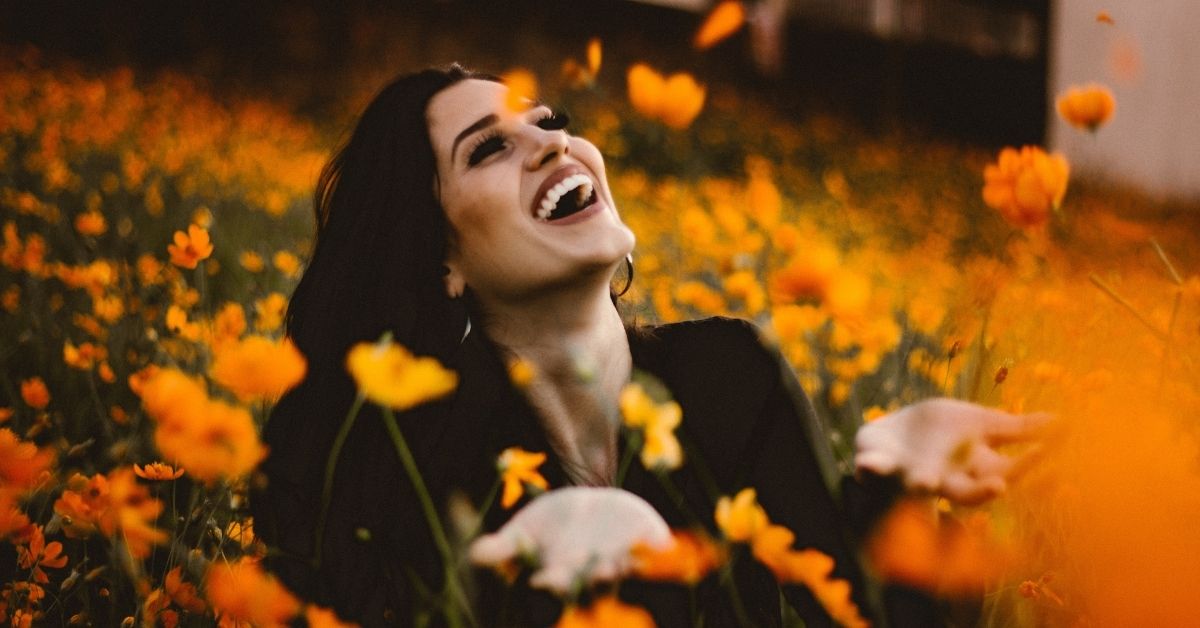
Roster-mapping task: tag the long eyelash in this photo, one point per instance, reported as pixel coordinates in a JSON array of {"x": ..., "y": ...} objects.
[
  {"x": 491, "y": 135},
  {"x": 554, "y": 121}
]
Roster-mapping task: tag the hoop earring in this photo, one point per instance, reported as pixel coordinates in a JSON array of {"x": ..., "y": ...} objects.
[{"x": 628, "y": 274}]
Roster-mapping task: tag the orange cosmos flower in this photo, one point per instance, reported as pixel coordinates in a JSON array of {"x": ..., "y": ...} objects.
[
  {"x": 22, "y": 464},
  {"x": 1024, "y": 186},
  {"x": 606, "y": 612},
  {"x": 318, "y": 617},
  {"x": 593, "y": 55},
  {"x": 1087, "y": 107},
  {"x": 84, "y": 356},
  {"x": 211, "y": 441},
  {"x": 111, "y": 504},
  {"x": 157, "y": 471},
  {"x": 35, "y": 393},
  {"x": 689, "y": 558},
  {"x": 183, "y": 593},
  {"x": 242, "y": 592},
  {"x": 518, "y": 468},
  {"x": 258, "y": 367},
  {"x": 229, "y": 324},
  {"x": 5, "y": 414},
  {"x": 251, "y": 261},
  {"x": 389, "y": 375},
  {"x": 741, "y": 518},
  {"x": 521, "y": 373},
  {"x": 90, "y": 223},
  {"x": 177, "y": 322},
  {"x": 911, "y": 547},
  {"x": 270, "y": 311},
  {"x": 806, "y": 276},
  {"x": 13, "y": 522},
  {"x": 773, "y": 547},
  {"x": 724, "y": 20},
  {"x": 675, "y": 101},
  {"x": 286, "y": 262},
  {"x": 522, "y": 89},
  {"x": 37, "y": 554},
  {"x": 191, "y": 247}
]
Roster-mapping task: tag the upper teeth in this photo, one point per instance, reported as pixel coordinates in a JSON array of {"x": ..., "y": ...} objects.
[{"x": 562, "y": 187}]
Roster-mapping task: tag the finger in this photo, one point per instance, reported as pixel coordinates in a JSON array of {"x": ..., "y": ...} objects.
[
  {"x": 987, "y": 462},
  {"x": 493, "y": 549},
  {"x": 964, "y": 489},
  {"x": 877, "y": 462},
  {"x": 1026, "y": 460},
  {"x": 1001, "y": 427}
]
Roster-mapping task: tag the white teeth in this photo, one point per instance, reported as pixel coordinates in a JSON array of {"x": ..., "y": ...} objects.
[{"x": 554, "y": 194}]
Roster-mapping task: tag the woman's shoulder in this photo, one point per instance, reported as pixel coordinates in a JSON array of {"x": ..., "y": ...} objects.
[{"x": 717, "y": 343}]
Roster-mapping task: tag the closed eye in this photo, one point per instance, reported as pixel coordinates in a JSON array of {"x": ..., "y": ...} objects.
[
  {"x": 554, "y": 121},
  {"x": 485, "y": 147}
]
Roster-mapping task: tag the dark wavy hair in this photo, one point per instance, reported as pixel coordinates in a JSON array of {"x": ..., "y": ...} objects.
[{"x": 376, "y": 266}]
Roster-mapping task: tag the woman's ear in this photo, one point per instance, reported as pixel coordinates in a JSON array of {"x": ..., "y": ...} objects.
[{"x": 454, "y": 281}]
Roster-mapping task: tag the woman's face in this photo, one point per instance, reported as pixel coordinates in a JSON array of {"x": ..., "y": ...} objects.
[{"x": 528, "y": 204}]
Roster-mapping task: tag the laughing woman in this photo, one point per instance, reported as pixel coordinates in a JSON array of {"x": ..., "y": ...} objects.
[{"x": 477, "y": 234}]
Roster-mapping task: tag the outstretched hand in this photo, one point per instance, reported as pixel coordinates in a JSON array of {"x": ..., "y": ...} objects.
[{"x": 945, "y": 446}]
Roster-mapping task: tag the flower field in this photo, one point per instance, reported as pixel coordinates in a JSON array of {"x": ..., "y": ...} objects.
[{"x": 152, "y": 233}]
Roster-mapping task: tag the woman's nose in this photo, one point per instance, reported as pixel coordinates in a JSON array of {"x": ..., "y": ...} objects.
[{"x": 549, "y": 146}]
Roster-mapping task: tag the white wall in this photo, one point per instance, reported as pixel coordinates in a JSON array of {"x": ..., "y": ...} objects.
[{"x": 1150, "y": 58}]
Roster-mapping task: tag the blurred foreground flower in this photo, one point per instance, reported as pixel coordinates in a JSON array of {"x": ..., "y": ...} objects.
[
  {"x": 190, "y": 248},
  {"x": 657, "y": 423},
  {"x": 242, "y": 592},
  {"x": 518, "y": 468},
  {"x": 258, "y": 367},
  {"x": 38, "y": 554},
  {"x": 773, "y": 547},
  {"x": 947, "y": 558},
  {"x": 606, "y": 612},
  {"x": 35, "y": 393},
  {"x": 575, "y": 535},
  {"x": 687, "y": 560},
  {"x": 522, "y": 89},
  {"x": 387, "y": 374},
  {"x": 22, "y": 464},
  {"x": 675, "y": 101},
  {"x": 111, "y": 504},
  {"x": 741, "y": 518},
  {"x": 1026, "y": 185},
  {"x": 724, "y": 20},
  {"x": 1087, "y": 107}
]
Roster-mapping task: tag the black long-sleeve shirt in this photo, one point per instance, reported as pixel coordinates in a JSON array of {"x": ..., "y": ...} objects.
[{"x": 746, "y": 423}]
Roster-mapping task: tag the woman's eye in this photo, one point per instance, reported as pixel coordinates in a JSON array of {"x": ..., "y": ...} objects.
[
  {"x": 485, "y": 148},
  {"x": 555, "y": 121}
]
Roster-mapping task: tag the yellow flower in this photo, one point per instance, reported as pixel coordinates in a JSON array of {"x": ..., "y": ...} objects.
[
  {"x": 191, "y": 247},
  {"x": 1025, "y": 186},
  {"x": 251, "y": 261},
  {"x": 90, "y": 223},
  {"x": 258, "y": 367},
  {"x": 518, "y": 468},
  {"x": 177, "y": 322},
  {"x": 676, "y": 101},
  {"x": 270, "y": 311},
  {"x": 657, "y": 422},
  {"x": 1087, "y": 107},
  {"x": 387, "y": 374},
  {"x": 724, "y": 20},
  {"x": 741, "y": 518},
  {"x": 287, "y": 263}
]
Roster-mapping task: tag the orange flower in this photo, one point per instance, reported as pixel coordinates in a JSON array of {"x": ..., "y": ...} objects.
[
  {"x": 34, "y": 392},
  {"x": 605, "y": 612},
  {"x": 177, "y": 322},
  {"x": 242, "y": 592},
  {"x": 286, "y": 262},
  {"x": 522, "y": 89},
  {"x": 518, "y": 468},
  {"x": 157, "y": 471},
  {"x": 270, "y": 311},
  {"x": 318, "y": 617},
  {"x": 657, "y": 423},
  {"x": 676, "y": 101},
  {"x": 741, "y": 518},
  {"x": 258, "y": 368},
  {"x": 229, "y": 324},
  {"x": 724, "y": 20},
  {"x": 806, "y": 276},
  {"x": 84, "y": 356},
  {"x": 90, "y": 223},
  {"x": 521, "y": 373},
  {"x": 593, "y": 55},
  {"x": 953, "y": 560},
  {"x": 773, "y": 547},
  {"x": 689, "y": 558},
  {"x": 1025, "y": 186},
  {"x": 387, "y": 374},
  {"x": 191, "y": 247},
  {"x": 38, "y": 554},
  {"x": 183, "y": 593},
  {"x": 111, "y": 504},
  {"x": 22, "y": 464},
  {"x": 251, "y": 261},
  {"x": 13, "y": 522},
  {"x": 1087, "y": 107}
]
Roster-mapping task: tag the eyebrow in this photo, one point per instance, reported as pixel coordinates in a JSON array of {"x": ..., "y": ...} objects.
[{"x": 479, "y": 124}]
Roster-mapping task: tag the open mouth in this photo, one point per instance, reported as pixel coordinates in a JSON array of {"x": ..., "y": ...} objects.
[{"x": 566, "y": 198}]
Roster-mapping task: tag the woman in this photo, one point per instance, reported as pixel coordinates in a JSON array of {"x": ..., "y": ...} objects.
[{"x": 477, "y": 233}]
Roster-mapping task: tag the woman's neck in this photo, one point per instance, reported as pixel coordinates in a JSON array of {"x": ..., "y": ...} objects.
[{"x": 576, "y": 342}]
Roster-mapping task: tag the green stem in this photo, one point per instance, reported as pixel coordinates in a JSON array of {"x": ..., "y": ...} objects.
[
  {"x": 330, "y": 467},
  {"x": 431, "y": 516},
  {"x": 633, "y": 443},
  {"x": 676, "y": 497},
  {"x": 483, "y": 510},
  {"x": 727, "y": 581}
]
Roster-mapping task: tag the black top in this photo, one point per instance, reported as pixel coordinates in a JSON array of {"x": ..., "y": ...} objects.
[{"x": 746, "y": 423}]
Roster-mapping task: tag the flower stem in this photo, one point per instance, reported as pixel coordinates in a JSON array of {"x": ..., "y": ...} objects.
[
  {"x": 727, "y": 581},
  {"x": 330, "y": 466},
  {"x": 633, "y": 442},
  {"x": 431, "y": 517}
]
